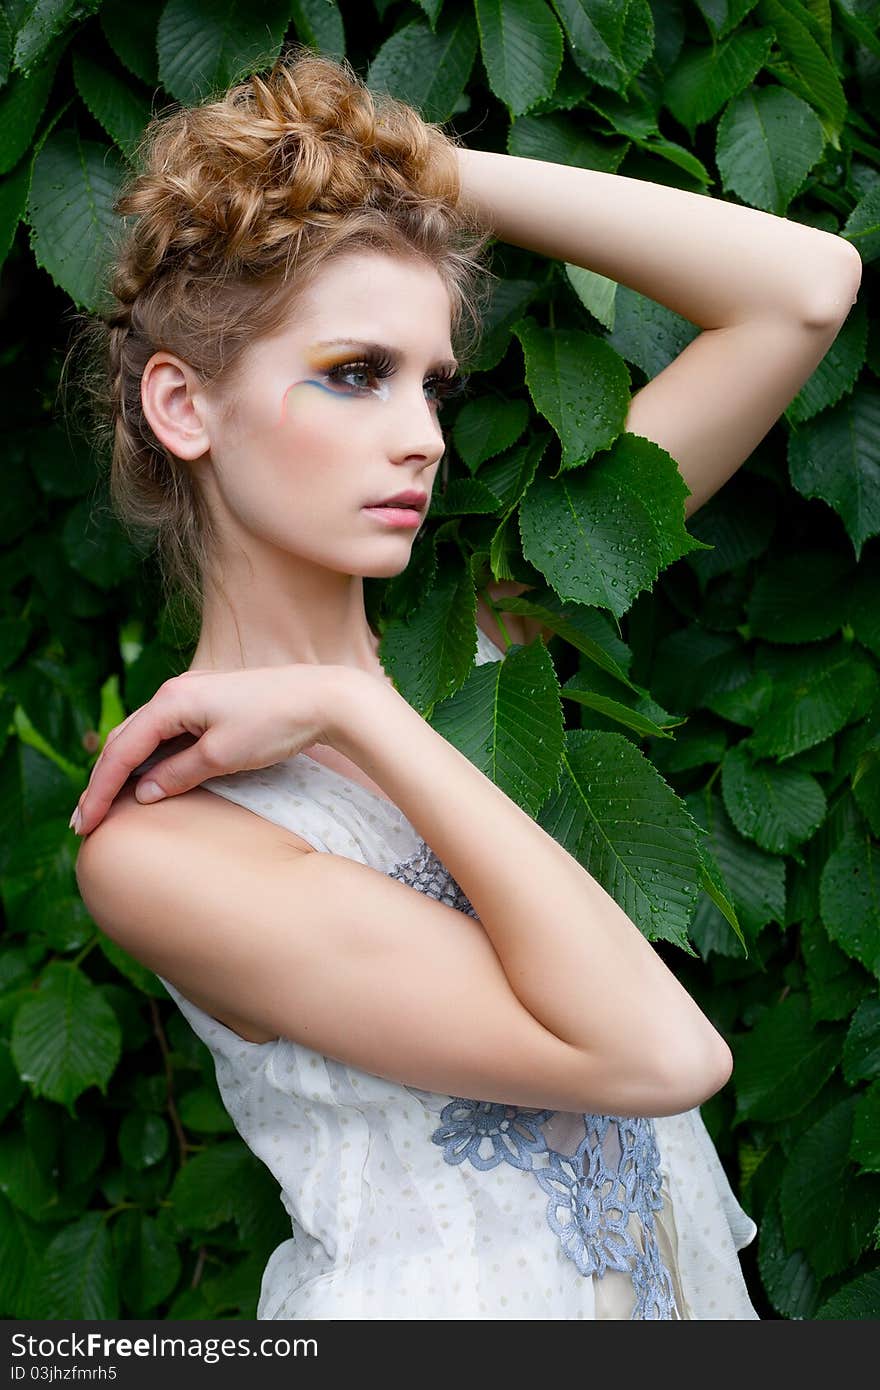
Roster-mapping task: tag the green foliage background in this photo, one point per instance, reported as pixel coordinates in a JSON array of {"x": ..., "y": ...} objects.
[{"x": 703, "y": 732}]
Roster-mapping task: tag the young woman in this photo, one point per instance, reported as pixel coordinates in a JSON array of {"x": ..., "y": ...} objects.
[{"x": 473, "y": 1077}]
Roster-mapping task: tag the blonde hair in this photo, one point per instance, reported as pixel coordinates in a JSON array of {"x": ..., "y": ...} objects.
[{"x": 239, "y": 201}]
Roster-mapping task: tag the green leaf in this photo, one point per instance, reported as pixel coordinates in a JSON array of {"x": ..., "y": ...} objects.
[
  {"x": 693, "y": 665},
  {"x": 585, "y": 629},
  {"x": 122, "y": 111},
  {"x": 522, "y": 50},
  {"x": 865, "y": 1149},
  {"x": 788, "y": 1280},
  {"x": 597, "y": 293},
  {"x": 508, "y": 300},
  {"x": 319, "y": 24},
  {"x": 67, "y": 1037},
  {"x": 862, "y": 227},
  {"x": 79, "y": 1279},
  {"x": 131, "y": 32},
  {"x": 204, "y": 46},
  {"x": 696, "y": 743},
  {"x": 754, "y": 879},
  {"x": 861, "y": 1052},
  {"x": 464, "y": 497},
  {"x": 5, "y": 46},
  {"x": 737, "y": 521},
  {"x": 859, "y": 1298},
  {"x": 827, "y": 1210},
  {"x": 767, "y": 142},
  {"x": 507, "y": 720},
  {"x": 143, "y": 1139},
  {"x": 803, "y": 597},
  {"x": 81, "y": 1149},
  {"x": 237, "y": 1287},
  {"x": 11, "y": 1085},
  {"x": 835, "y": 983},
  {"x": 22, "y": 1244},
  {"x": 712, "y": 882},
  {"x": 202, "y": 1111},
  {"x": 580, "y": 386},
  {"x": 96, "y": 546},
  {"x": 430, "y": 655},
  {"x": 559, "y": 140},
  {"x": 594, "y": 537},
  {"x": 261, "y": 1220},
  {"x": 147, "y": 1258},
  {"x": 14, "y": 190},
  {"x": 37, "y": 890},
  {"x": 22, "y": 1179},
  {"x": 866, "y": 787},
  {"x": 777, "y": 807},
  {"x": 808, "y": 62},
  {"x": 864, "y": 610},
  {"x": 837, "y": 457},
  {"x": 704, "y": 78},
  {"x": 592, "y": 543},
  {"x": 511, "y": 475},
  {"x": 427, "y": 70},
  {"x": 44, "y": 21},
  {"x": 485, "y": 427},
  {"x": 139, "y": 975},
  {"x": 814, "y": 692},
  {"x": 746, "y": 702},
  {"x": 653, "y": 479},
  {"x": 595, "y": 32},
  {"x": 647, "y": 333},
  {"x": 70, "y": 210},
  {"x": 207, "y": 1190},
  {"x": 837, "y": 373},
  {"x": 22, "y": 103},
  {"x": 635, "y": 118},
  {"x": 617, "y": 816},
  {"x": 609, "y": 43},
  {"x": 783, "y": 1063},
  {"x": 849, "y": 900},
  {"x": 597, "y": 691}
]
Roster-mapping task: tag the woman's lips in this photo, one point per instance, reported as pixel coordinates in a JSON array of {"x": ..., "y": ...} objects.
[{"x": 396, "y": 516}]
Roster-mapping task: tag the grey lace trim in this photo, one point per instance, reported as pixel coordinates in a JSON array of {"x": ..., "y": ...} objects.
[{"x": 589, "y": 1203}]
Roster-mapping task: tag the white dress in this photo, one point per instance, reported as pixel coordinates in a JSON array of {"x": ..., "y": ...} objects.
[{"x": 408, "y": 1204}]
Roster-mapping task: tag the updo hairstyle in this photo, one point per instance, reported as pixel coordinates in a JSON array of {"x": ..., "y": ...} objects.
[{"x": 237, "y": 203}]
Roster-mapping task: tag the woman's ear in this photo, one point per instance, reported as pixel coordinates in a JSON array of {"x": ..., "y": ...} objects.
[{"x": 174, "y": 404}]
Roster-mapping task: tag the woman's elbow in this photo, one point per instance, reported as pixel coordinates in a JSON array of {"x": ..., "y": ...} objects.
[{"x": 700, "y": 1071}]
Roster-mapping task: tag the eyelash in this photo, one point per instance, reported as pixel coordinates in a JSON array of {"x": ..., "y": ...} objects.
[{"x": 448, "y": 384}]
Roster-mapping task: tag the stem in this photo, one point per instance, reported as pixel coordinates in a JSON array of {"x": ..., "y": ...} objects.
[
  {"x": 182, "y": 1142},
  {"x": 500, "y": 620},
  {"x": 89, "y": 946}
]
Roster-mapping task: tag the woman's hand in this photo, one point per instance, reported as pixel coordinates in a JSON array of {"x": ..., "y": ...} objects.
[{"x": 225, "y": 721}]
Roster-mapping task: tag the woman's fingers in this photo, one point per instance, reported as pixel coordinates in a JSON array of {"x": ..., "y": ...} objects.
[
  {"x": 182, "y": 772},
  {"x": 128, "y": 745}
]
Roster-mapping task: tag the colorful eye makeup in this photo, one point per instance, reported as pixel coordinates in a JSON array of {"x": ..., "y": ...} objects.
[{"x": 375, "y": 366}]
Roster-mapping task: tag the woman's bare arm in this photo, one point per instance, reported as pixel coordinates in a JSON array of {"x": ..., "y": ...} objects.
[{"x": 572, "y": 956}]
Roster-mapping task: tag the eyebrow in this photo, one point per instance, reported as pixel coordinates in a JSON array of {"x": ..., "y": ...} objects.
[{"x": 394, "y": 353}]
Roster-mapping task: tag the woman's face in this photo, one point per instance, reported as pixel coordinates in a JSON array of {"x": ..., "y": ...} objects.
[{"x": 315, "y": 430}]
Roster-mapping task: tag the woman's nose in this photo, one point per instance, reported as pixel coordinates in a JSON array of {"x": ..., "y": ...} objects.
[{"x": 419, "y": 431}]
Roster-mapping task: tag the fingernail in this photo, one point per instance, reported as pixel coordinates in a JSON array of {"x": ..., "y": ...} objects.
[
  {"x": 149, "y": 791},
  {"x": 75, "y": 820}
]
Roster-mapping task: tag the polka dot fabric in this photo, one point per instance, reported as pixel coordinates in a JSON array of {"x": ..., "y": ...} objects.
[{"x": 383, "y": 1224}]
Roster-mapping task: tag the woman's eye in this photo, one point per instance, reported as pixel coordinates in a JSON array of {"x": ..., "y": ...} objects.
[
  {"x": 338, "y": 374},
  {"x": 366, "y": 377}
]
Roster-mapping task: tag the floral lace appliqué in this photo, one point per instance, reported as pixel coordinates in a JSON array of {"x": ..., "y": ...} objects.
[{"x": 589, "y": 1201}]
